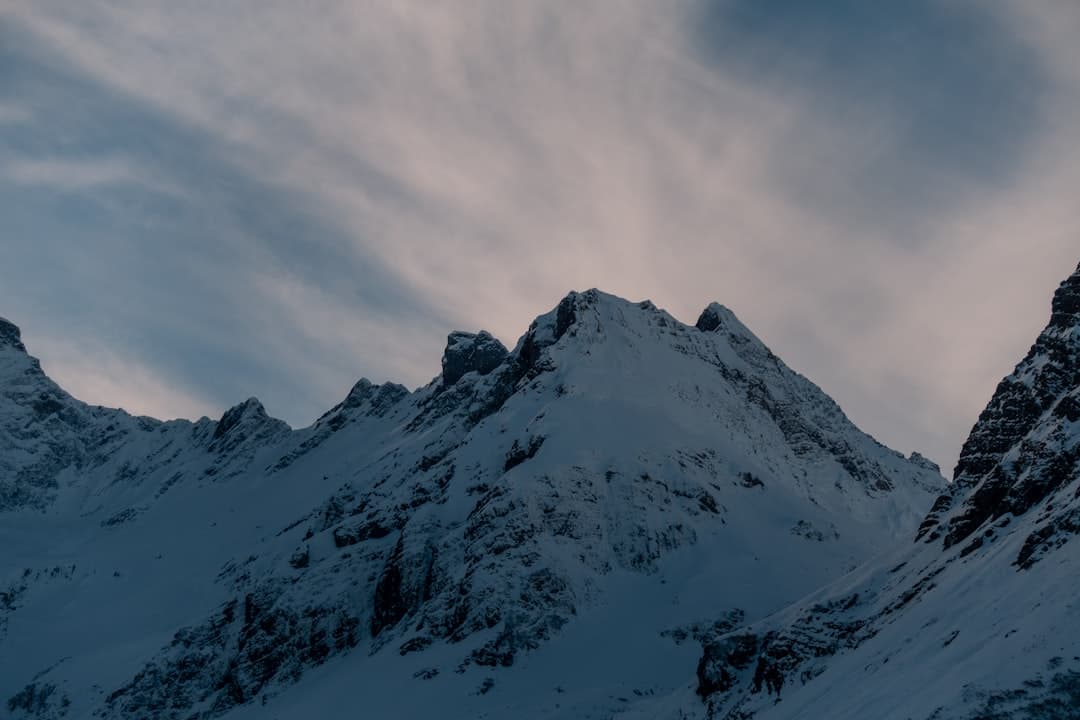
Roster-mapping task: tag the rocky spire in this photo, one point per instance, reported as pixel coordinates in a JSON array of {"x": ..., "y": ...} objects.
[
  {"x": 10, "y": 335},
  {"x": 469, "y": 352},
  {"x": 1005, "y": 466},
  {"x": 1065, "y": 309},
  {"x": 1051, "y": 367}
]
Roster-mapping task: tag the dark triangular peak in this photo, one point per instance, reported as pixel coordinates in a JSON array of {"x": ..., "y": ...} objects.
[
  {"x": 246, "y": 422},
  {"x": 359, "y": 394},
  {"x": 1065, "y": 309},
  {"x": 377, "y": 398},
  {"x": 248, "y": 411},
  {"x": 717, "y": 318},
  {"x": 1005, "y": 466},
  {"x": 10, "y": 336},
  {"x": 713, "y": 318},
  {"x": 470, "y": 352}
]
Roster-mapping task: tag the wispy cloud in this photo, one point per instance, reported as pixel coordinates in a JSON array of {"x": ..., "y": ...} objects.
[
  {"x": 14, "y": 114},
  {"x": 386, "y": 170},
  {"x": 65, "y": 173}
]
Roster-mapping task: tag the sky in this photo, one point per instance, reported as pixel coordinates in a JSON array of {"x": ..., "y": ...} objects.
[{"x": 205, "y": 201}]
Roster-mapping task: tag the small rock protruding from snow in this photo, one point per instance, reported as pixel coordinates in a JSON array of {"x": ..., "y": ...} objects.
[
  {"x": 10, "y": 336},
  {"x": 468, "y": 352},
  {"x": 924, "y": 462},
  {"x": 718, "y": 318},
  {"x": 712, "y": 318}
]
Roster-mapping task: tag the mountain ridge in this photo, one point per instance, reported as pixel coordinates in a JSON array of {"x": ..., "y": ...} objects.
[
  {"x": 454, "y": 533},
  {"x": 1001, "y": 539}
]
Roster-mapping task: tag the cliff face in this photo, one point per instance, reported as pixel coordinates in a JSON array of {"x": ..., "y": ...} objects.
[
  {"x": 977, "y": 619},
  {"x": 1020, "y": 451}
]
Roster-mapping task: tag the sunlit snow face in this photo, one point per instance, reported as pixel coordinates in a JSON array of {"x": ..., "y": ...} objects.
[{"x": 197, "y": 210}]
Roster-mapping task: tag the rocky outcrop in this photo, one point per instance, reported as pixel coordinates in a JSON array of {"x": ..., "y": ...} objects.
[
  {"x": 251, "y": 645},
  {"x": 246, "y": 424},
  {"x": 1014, "y": 505},
  {"x": 1020, "y": 450},
  {"x": 465, "y": 352},
  {"x": 10, "y": 336}
]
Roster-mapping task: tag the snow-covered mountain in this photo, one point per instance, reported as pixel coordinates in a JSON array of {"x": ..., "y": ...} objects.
[
  {"x": 552, "y": 531},
  {"x": 978, "y": 619}
]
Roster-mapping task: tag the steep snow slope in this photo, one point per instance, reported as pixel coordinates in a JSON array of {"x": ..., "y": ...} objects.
[
  {"x": 534, "y": 533},
  {"x": 979, "y": 619}
]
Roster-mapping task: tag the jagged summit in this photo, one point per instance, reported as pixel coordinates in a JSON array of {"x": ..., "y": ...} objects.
[
  {"x": 468, "y": 352},
  {"x": 10, "y": 335},
  {"x": 605, "y": 307},
  {"x": 715, "y": 317},
  {"x": 619, "y": 471},
  {"x": 366, "y": 394},
  {"x": 1003, "y": 466},
  {"x": 719, "y": 318},
  {"x": 1066, "y": 304},
  {"x": 1051, "y": 366},
  {"x": 250, "y": 410},
  {"x": 360, "y": 391},
  {"x": 976, "y": 619},
  {"x": 246, "y": 424}
]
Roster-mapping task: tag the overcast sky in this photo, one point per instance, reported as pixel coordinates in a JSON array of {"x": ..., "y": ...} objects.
[{"x": 213, "y": 199}]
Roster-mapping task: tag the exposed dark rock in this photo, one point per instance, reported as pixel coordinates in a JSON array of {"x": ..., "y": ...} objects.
[
  {"x": 10, "y": 336},
  {"x": 1056, "y": 532},
  {"x": 707, "y": 632},
  {"x": 1065, "y": 307},
  {"x": 1040, "y": 698},
  {"x": 360, "y": 393},
  {"x": 566, "y": 314},
  {"x": 124, "y": 516},
  {"x": 722, "y": 660},
  {"x": 301, "y": 558},
  {"x": 922, "y": 461},
  {"x": 251, "y": 410},
  {"x": 350, "y": 535},
  {"x": 1042, "y": 392},
  {"x": 749, "y": 662},
  {"x": 933, "y": 518},
  {"x": 466, "y": 352},
  {"x": 404, "y": 584},
  {"x": 245, "y": 648},
  {"x": 40, "y": 701},
  {"x": 416, "y": 644},
  {"x": 243, "y": 429},
  {"x": 712, "y": 318},
  {"x": 1051, "y": 367},
  {"x": 519, "y": 454},
  {"x": 750, "y": 480}
]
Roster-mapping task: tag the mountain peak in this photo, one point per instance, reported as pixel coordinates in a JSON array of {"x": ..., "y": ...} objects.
[
  {"x": 1065, "y": 309},
  {"x": 234, "y": 416},
  {"x": 715, "y": 317},
  {"x": 719, "y": 318},
  {"x": 470, "y": 352},
  {"x": 361, "y": 391},
  {"x": 10, "y": 336}
]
